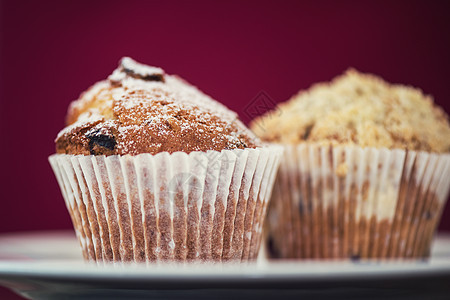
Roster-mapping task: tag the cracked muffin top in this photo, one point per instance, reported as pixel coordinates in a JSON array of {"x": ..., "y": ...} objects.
[
  {"x": 140, "y": 109},
  {"x": 359, "y": 109}
]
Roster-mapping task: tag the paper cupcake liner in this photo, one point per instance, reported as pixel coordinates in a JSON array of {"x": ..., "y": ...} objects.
[
  {"x": 352, "y": 202},
  {"x": 206, "y": 206}
]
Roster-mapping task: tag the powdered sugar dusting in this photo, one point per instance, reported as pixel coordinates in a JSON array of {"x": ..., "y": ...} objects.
[
  {"x": 86, "y": 118},
  {"x": 145, "y": 106}
]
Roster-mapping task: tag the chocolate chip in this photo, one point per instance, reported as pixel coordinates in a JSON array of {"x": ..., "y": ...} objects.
[
  {"x": 147, "y": 77},
  {"x": 98, "y": 139},
  {"x": 140, "y": 71},
  {"x": 308, "y": 130}
]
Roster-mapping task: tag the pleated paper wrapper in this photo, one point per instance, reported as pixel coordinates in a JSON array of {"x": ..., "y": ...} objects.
[
  {"x": 202, "y": 206},
  {"x": 349, "y": 202}
]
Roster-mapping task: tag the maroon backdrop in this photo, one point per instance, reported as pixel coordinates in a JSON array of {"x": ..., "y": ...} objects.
[
  {"x": 53, "y": 50},
  {"x": 50, "y": 51}
]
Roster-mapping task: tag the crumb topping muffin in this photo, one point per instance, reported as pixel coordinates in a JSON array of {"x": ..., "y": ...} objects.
[
  {"x": 140, "y": 109},
  {"x": 364, "y": 174},
  {"x": 359, "y": 109}
]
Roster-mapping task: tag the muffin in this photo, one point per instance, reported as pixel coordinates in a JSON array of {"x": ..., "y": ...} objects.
[
  {"x": 365, "y": 172},
  {"x": 151, "y": 169}
]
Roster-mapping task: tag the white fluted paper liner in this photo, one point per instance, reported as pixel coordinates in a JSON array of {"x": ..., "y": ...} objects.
[
  {"x": 198, "y": 206},
  {"x": 353, "y": 202}
]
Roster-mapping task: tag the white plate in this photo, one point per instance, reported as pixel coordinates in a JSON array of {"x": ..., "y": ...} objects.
[{"x": 48, "y": 265}]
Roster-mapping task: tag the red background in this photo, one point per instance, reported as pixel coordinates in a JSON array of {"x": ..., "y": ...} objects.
[{"x": 50, "y": 51}]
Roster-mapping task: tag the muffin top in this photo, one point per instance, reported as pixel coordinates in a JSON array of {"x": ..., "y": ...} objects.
[
  {"x": 140, "y": 109},
  {"x": 359, "y": 109}
]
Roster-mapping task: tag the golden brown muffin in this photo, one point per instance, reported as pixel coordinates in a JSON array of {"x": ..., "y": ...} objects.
[
  {"x": 359, "y": 109},
  {"x": 140, "y": 183},
  {"x": 140, "y": 109}
]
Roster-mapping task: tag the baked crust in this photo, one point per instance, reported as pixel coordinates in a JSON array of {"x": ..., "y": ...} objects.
[
  {"x": 140, "y": 109},
  {"x": 359, "y": 109}
]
